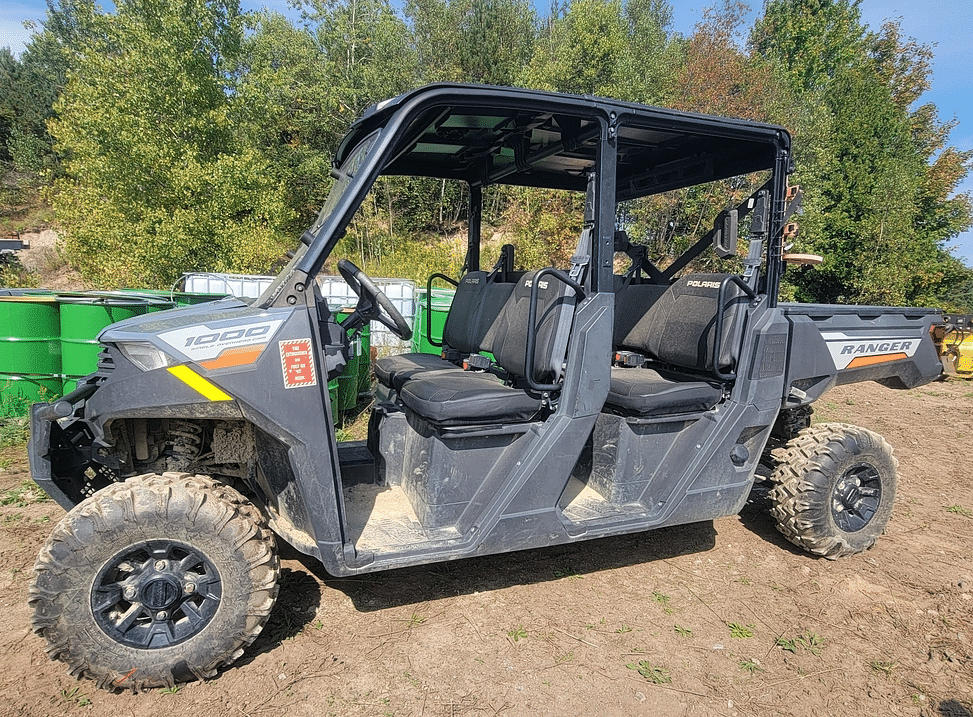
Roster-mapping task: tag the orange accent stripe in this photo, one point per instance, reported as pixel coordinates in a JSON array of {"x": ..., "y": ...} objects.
[
  {"x": 238, "y": 356},
  {"x": 872, "y": 360}
]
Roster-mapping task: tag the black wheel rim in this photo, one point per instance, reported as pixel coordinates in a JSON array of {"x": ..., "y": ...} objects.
[
  {"x": 155, "y": 594},
  {"x": 856, "y": 498}
]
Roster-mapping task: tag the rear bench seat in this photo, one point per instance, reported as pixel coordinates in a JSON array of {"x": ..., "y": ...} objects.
[{"x": 678, "y": 334}]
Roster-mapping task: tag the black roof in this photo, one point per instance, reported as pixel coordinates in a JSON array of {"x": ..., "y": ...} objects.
[{"x": 488, "y": 135}]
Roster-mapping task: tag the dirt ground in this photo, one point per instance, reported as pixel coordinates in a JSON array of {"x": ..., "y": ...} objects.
[{"x": 722, "y": 618}]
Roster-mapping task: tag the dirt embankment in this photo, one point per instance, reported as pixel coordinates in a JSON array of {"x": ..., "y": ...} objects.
[
  {"x": 722, "y": 618},
  {"x": 45, "y": 259}
]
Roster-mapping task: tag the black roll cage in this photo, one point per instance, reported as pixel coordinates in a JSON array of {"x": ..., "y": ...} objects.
[{"x": 633, "y": 150}]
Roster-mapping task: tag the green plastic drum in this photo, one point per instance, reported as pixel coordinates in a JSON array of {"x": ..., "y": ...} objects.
[
  {"x": 347, "y": 391},
  {"x": 349, "y": 378},
  {"x": 333, "y": 398},
  {"x": 30, "y": 335},
  {"x": 170, "y": 299},
  {"x": 18, "y": 392},
  {"x": 190, "y": 299},
  {"x": 365, "y": 361},
  {"x": 438, "y": 308},
  {"x": 69, "y": 383},
  {"x": 82, "y": 319}
]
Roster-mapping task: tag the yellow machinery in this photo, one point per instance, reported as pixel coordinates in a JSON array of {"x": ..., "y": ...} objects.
[{"x": 954, "y": 339}]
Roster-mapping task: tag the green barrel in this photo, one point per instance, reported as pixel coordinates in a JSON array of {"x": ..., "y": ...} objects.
[
  {"x": 69, "y": 383},
  {"x": 169, "y": 299},
  {"x": 365, "y": 361},
  {"x": 347, "y": 391},
  {"x": 83, "y": 318},
  {"x": 29, "y": 335},
  {"x": 191, "y": 299},
  {"x": 18, "y": 392},
  {"x": 437, "y": 307},
  {"x": 333, "y": 397},
  {"x": 348, "y": 380}
]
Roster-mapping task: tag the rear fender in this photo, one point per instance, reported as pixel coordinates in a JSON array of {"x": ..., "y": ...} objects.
[{"x": 835, "y": 345}]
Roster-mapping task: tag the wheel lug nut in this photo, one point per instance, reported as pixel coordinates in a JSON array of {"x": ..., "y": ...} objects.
[
  {"x": 160, "y": 565},
  {"x": 190, "y": 588},
  {"x": 130, "y": 593},
  {"x": 161, "y": 615}
]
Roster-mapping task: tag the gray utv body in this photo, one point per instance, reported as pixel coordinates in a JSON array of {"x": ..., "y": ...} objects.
[
  {"x": 495, "y": 467},
  {"x": 613, "y": 403}
]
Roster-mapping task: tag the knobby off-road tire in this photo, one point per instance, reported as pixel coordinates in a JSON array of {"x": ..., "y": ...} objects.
[
  {"x": 158, "y": 580},
  {"x": 834, "y": 487}
]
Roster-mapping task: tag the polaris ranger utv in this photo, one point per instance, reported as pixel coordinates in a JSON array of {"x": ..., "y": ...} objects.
[{"x": 569, "y": 403}]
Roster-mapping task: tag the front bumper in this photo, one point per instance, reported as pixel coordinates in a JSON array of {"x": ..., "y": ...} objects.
[{"x": 60, "y": 448}]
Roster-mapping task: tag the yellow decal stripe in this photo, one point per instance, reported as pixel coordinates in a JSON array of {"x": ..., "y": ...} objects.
[{"x": 199, "y": 384}]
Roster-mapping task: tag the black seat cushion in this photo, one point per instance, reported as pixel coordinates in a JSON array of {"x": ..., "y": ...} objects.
[
  {"x": 462, "y": 398},
  {"x": 470, "y": 325},
  {"x": 394, "y": 371},
  {"x": 644, "y": 392}
]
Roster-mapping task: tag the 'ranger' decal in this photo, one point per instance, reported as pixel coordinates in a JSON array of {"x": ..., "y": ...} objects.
[{"x": 850, "y": 351}]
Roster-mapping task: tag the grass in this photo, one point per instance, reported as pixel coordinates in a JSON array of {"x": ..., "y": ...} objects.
[
  {"x": 76, "y": 696},
  {"x": 14, "y": 431},
  {"x": 808, "y": 641},
  {"x": 751, "y": 666},
  {"x": 517, "y": 634},
  {"x": 683, "y": 631},
  {"x": 741, "y": 631},
  {"x": 27, "y": 493},
  {"x": 415, "y": 620},
  {"x": 653, "y": 673},
  {"x": 959, "y": 510},
  {"x": 662, "y": 600},
  {"x": 884, "y": 667}
]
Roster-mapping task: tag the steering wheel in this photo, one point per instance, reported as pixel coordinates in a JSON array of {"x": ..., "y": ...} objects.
[{"x": 373, "y": 305}]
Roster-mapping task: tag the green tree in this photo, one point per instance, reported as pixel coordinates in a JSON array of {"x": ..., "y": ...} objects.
[
  {"x": 366, "y": 50},
  {"x": 481, "y": 41},
  {"x": 877, "y": 171},
  {"x": 157, "y": 181},
  {"x": 286, "y": 105},
  {"x": 585, "y": 52},
  {"x": 653, "y": 53}
]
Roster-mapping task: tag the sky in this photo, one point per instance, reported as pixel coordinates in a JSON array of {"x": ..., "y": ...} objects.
[{"x": 941, "y": 28}]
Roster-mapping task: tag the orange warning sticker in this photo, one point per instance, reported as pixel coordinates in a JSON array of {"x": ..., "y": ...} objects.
[{"x": 297, "y": 360}]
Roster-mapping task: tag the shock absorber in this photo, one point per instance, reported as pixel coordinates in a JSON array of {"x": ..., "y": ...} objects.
[{"x": 185, "y": 444}]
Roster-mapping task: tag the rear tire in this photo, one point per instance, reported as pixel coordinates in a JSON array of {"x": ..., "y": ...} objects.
[
  {"x": 834, "y": 487},
  {"x": 158, "y": 580}
]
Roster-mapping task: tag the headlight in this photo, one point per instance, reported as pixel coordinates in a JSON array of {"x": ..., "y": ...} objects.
[{"x": 146, "y": 356}]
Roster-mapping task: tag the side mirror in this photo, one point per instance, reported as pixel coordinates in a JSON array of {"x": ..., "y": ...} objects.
[{"x": 725, "y": 234}]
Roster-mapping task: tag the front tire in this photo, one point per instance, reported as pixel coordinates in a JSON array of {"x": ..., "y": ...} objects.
[
  {"x": 158, "y": 580},
  {"x": 834, "y": 487}
]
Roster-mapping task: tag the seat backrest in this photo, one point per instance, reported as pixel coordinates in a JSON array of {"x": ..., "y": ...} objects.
[
  {"x": 478, "y": 299},
  {"x": 632, "y": 301},
  {"x": 461, "y": 330},
  {"x": 555, "y": 313},
  {"x": 679, "y": 328}
]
